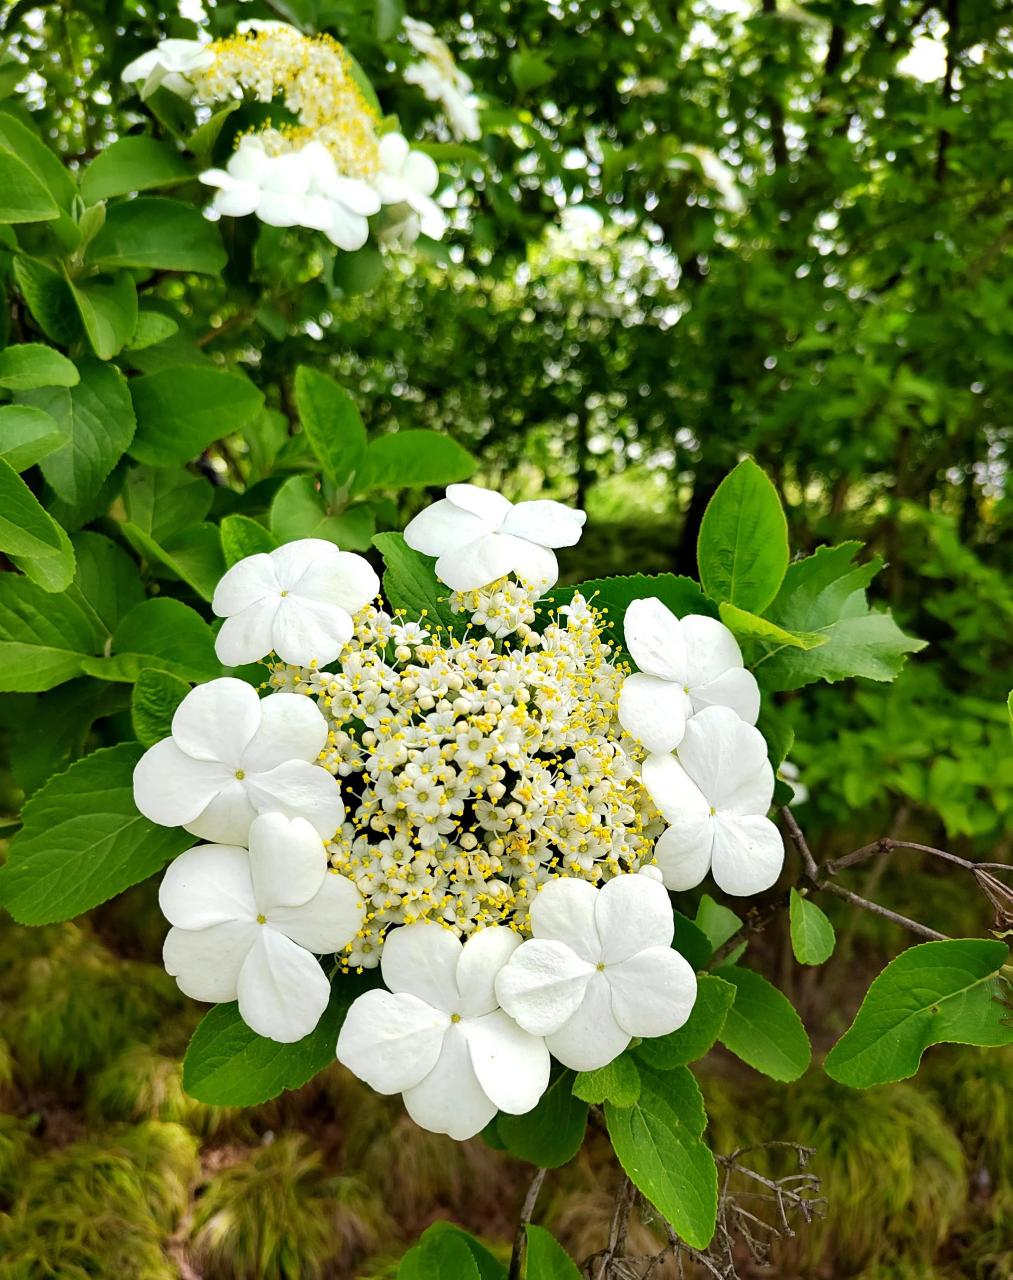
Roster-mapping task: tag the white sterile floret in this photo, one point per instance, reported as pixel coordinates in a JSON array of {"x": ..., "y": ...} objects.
[
  {"x": 685, "y": 665},
  {"x": 274, "y": 187},
  {"x": 442, "y": 80},
  {"x": 479, "y": 536},
  {"x": 715, "y": 795},
  {"x": 247, "y": 925},
  {"x": 438, "y": 1036},
  {"x": 233, "y": 755},
  {"x": 599, "y": 970},
  {"x": 341, "y": 205},
  {"x": 406, "y": 181},
  {"x": 170, "y": 65},
  {"x": 296, "y": 601}
]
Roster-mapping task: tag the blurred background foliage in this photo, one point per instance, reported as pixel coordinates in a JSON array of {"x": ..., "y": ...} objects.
[{"x": 690, "y": 230}]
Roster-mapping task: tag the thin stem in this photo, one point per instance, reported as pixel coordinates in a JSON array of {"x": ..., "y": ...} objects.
[
  {"x": 914, "y": 926},
  {"x": 520, "y": 1236}
]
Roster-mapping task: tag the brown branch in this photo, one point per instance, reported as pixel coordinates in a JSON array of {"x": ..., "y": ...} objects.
[
  {"x": 520, "y": 1236},
  {"x": 905, "y": 922}
]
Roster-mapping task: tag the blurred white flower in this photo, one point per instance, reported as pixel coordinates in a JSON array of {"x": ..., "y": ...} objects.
[
  {"x": 406, "y": 181},
  {"x": 233, "y": 755},
  {"x": 479, "y": 536},
  {"x": 789, "y": 771},
  {"x": 442, "y": 80},
  {"x": 438, "y": 1036},
  {"x": 715, "y": 794},
  {"x": 685, "y": 665},
  {"x": 347, "y": 202},
  {"x": 598, "y": 970},
  {"x": 169, "y": 66},
  {"x": 296, "y": 601},
  {"x": 247, "y": 925}
]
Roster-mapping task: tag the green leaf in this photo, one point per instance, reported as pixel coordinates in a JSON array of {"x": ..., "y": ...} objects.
[
  {"x": 154, "y": 233},
  {"x": 935, "y": 993},
  {"x": 180, "y": 411},
  {"x": 23, "y": 198},
  {"x": 228, "y": 1065},
  {"x": 106, "y": 585},
  {"x": 68, "y": 713},
  {"x": 1009, "y": 710},
  {"x": 439, "y": 1255},
  {"x": 618, "y": 1082},
  {"x": 742, "y": 550},
  {"x": 812, "y": 935},
  {"x": 529, "y": 70},
  {"x": 615, "y": 595},
  {"x": 133, "y": 164},
  {"x": 162, "y": 634},
  {"x": 32, "y": 364},
  {"x": 298, "y": 511},
  {"x": 762, "y": 1027},
  {"x": 747, "y": 626},
  {"x": 153, "y": 703},
  {"x": 409, "y": 583},
  {"x": 49, "y": 299},
  {"x": 83, "y": 841},
  {"x": 551, "y": 1134},
  {"x": 658, "y": 1144},
  {"x": 108, "y": 311},
  {"x": 26, "y": 528},
  {"x": 693, "y": 1040},
  {"x": 242, "y": 537},
  {"x": 97, "y": 416},
  {"x": 44, "y": 638},
  {"x": 691, "y": 941},
  {"x": 414, "y": 460},
  {"x": 193, "y": 556},
  {"x": 47, "y": 168},
  {"x": 164, "y": 503},
  {"x": 152, "y": 328},
  {"x": 717, "y": 922},
  {"x": 824, "y": 594},
  {"x": 547, "y": 1259},
  {"x": 332, "y": 425}
]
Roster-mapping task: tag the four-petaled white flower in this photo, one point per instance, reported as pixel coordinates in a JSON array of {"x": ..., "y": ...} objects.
[
  {"x": 439, "y": 1037},
  {"x": 685, "y": 665},
  {"x": 247, "y": 925},
  {"x": 233, "y": 755},
  {"x": 296, "y": 601},
  {"x": 715, "y": 795},
  {"x": 337, "y": 205},
  {"x": 479, "y": 536},
  {"x": 406, "y": 181},
  {"x": 598, "y": 970},
  {"x": 169, "y": 66},
  {"x": 442, "y": 80}
]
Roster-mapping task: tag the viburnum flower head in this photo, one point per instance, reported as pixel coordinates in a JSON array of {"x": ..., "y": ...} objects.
[
  {"x": 479, "y": 536},
  {"x": 406, "y": 181},
  {"x": 715, "y": 795},
  {"x": 296, "y": 601},
  {"x": 169, "y": 65},
  {"x": 598, "y": 970},
  {"x": 685, "y": 665},
  {"x": 232, "y": 756},
  {"x": 247, "y": 925},
  {"x": 438, "y": 1036}
]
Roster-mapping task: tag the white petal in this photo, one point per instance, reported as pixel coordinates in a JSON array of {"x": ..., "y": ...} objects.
[
  {"x": 735, "y": 688},
  {"x": 305, "y": 630},
  {"x": 476, "y": 564},
  {"x": 348, "y": 230},
  {"x": 450, "y": 1099},
  {"x": 344, "y": 579},
  {"x": 356, "y": 197},
  {"x": 683, "y": 852},
  {"x": 282, "y": 990},
  {"x": 512, "y": 1067},
  {"x": 391, "y": 1041},
  {"x": 226, "y": 819},
  {"x": 748, "y": 854},
  {"x": 393, "y": 152},
  {"x": 672, "y": 789},
  {"x": 632, "y": 912},
  {"x": 287, "y": 861},
  {"x": 171, "y": 788},
  {"x": 238, "y": 200},
  {"x": 293, "y": 561},
  {"x": 421, "y": 960},
  {"x": 550, "y": 524},
  {"x": 249, "y": 161},
  {"x": 563, "y": 910},
  {"x": 208, "y": 885},
  {"x": 328, "y": 922},
  {"x": 247, "y": 636},
  {"x": 246, "y": 583},
  {"x": 291, "y": 728},
  {"x": 727, "y": 759},
  {"x": 442, "y": 527},
  {"x": 591, "y": 1038},
  {"x": 535, "y": 566},
  {"x": 481, "y": 958},
  {"x": 487, "y": 504},
  {"x": 421, "y": 173},
  {"x": 654, "y": 711},
  {"x": 654, "y": 639},
  {"x": 215, "y": 721},
  {"x": 542, "y": 984},
  {"x": 710, "y": 648},
  {"x": 206, "y": 962},
  {"x": 653, "y": 992},
  {"x": 279, "y": 209},
  {"x": 288, "y": 174},
  {"x": 300, "y": 790}
]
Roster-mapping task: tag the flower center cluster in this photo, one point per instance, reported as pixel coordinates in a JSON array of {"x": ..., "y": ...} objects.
[
  {"x": 313, "y": 78},
  {"x": 475, "y": 767}
]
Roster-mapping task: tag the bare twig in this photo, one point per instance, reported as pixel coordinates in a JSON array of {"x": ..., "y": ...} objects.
[{"x": 520, "y": 1236}]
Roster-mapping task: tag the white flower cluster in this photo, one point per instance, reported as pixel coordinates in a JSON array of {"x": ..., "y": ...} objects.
[
  {"x": 472, "y": 805},
  {"x": 442, "y": 80},
  {"x": 333, "y": 168}
]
